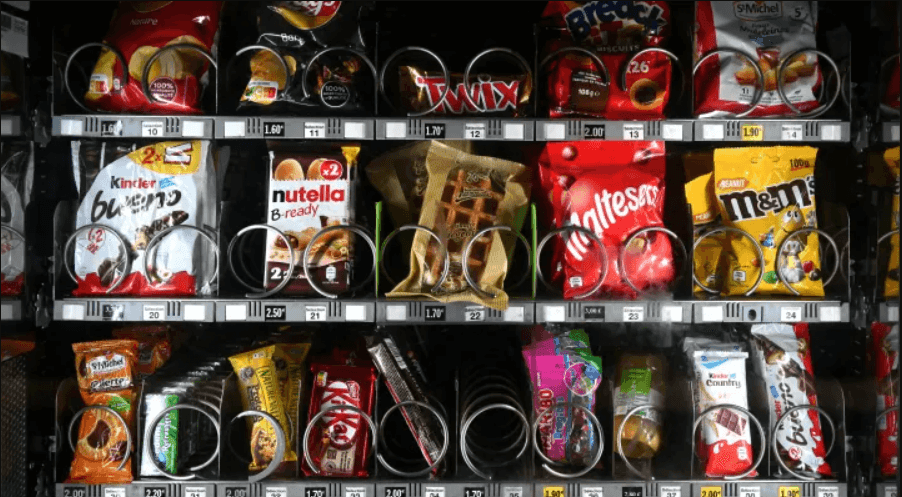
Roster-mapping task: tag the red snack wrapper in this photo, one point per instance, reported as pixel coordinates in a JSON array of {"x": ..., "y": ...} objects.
[
  {"x": 886, "y": 369},
  {"x": 783, "y": 359},
  {"x": 339, "y": 442},
  {"x": 138, "y": 31},
  {"x": 614, "y": 31},
  {"x": 612, "y": 189}
]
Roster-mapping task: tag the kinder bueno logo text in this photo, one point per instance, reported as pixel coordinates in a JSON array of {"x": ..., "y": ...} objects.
[
  {"x": 608, "y": 208},
  {"x": 796, "y": 432},
  {"x": 322, "y": 193},
  {"x": 749, "y": 204},
  {"x": 484, "y": 96},
  {"x": 757, "y": 11},
  {"x": 132, "y": 204},
  {"x": 581, "y": 19}
]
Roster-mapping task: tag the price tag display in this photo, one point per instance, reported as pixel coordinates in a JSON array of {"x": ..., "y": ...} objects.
[
  {"x": 315, "y": 492},
  {"x": 315, "y": 130},
  {"x": 474, "y": 492},
  {"x": 316, "y": 313},
  {"x": 789, "y": 492},
  {"x": 828, "y": 492},
  {"x": 395, "y": 492},
  {"x": 154, "y": 312},
  {"x": 236, "y": 492},
  {"x": 355, "y": 491},
  {"x": 276, "y": 492},
  {"x": 114, "y": 492},
  {"x": 790, "y": 314},
  {"x": 512, "y": 492},
  {"x": 274, "y": 129},
  {"x": 155, "y": 492},
  {"x": 474, "y": 131},
  {"x": 434, "y": 492},
  {"x": 553, "y": 492},
  {"x": 152, "y": 129},
  {"x": 195, "y": 491},
  {"x": 434, "y": 312},
  {"x": 593, "y": 491},
  {"x": 891, "y": 491},
  {"x": 111, "y": 128},
  {"x": 671, "y": 492},
  {"x": 633, "y": 314},
  {"x": 711, "y": 492},
  {"x": 792, "y": 133},
  {"x": 75, "y": 492},
  {"x": 752, "y": 133},
  {"x": 435, "y": 130},
  {"x": 631, "y": 491},
  {"x": 112, "y": 312},
  {"x": 633, "y": 131},
  {"x": 274, "y": 312},
  {"x": 749, "y": 491},
  {"x": 474, "y": 313},
  {"x": 593, "y": 131}
]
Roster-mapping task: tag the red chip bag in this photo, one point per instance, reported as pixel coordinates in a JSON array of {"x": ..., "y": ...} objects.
[
  {"x": 768, "y": 32},
  {"x": 138, "y": 31},
  {"x": 886, "y": 359},
  {"x": 612, "y": 189},
  {"x": 614, "y": 31}
]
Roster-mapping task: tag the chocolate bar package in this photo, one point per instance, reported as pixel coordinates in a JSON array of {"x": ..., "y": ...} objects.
[
  {"x": 492, "y": 94},
  {"x": 310, "y": 189},
  {"x": 885, "y": 352},
  {"x": 16, "y": 177}
]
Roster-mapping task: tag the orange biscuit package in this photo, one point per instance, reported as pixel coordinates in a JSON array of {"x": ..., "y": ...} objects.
[{"x": 106, "y": 377}]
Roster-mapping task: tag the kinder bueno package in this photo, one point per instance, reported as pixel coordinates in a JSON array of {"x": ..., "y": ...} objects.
[
  {"x": 614, "y": 31},
  {"x": 612, "y": 189},
  {"x": 16, "y": 177},
  {"x": 506, "y": 95},
  {"x": 725, "y": 443},
  {"x": 783, "y": 360},
  {"x": 139, "y": 196},
  {"x": 886, "y": 368},
  {"x": 310, "y": 189},
  {"x": 891, "y": 283},
  {"x": 177, "y": 77},
  {"x": 769, "y": 192},
  {"x": 767, "y": 32},
  {"x": 297, "y": 31}
]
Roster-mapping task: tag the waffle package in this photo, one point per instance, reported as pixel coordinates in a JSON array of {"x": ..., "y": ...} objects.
[
  {"x": 176, "y": 78},
  {"x": 464, "y": 194},
  {"x": 725, "y": 443},
  {"x": 614, "y": 32},
  {"x": 886, "y": 369},
  {"x": 769, "y": 192},
  {"x": 494, "y": 94},
  {"x": 16, "y": 178},
  {"x": 768, "y": 32},
  {"x": 612, "y": 189},
  {"x": 137, "y": 197},
  {"x": 782, "y": 357},
  {"x": 640, "y": 381},
  {"x": 891, "y": 283},
  {"x": 106, "y": 377},
  {"x": 296, "y": 31},
  {"x": 310, "y": 190}
]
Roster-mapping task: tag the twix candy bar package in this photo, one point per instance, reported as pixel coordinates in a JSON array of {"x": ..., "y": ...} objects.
[
  {"x": 768, "y": 32},
  {"x": 782, "y": 357},
  {"x": 106, "y": 377},
  {"x": 16, "y": 178},
  {"x": 309, "y": 190},
  {"x": 496, "y": 94},
  {"x": 725, "y": 443},
  {"x": 465, "y": 193},
  {"x": 769, "y": 192},
  {"x": 176, "y": 79},
  {"x": 139, "y": 196}
]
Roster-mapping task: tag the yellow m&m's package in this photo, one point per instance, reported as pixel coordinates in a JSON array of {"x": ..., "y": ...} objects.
[{"x": 891, "y": 283}]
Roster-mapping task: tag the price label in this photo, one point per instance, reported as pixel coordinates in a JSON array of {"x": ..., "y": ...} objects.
[
  {"x": 633, "y": 314},
  {"x": 553, "y": 492},
  {"x": 154, "y": 491},
  {"x": 475, "y": 492},
  {"x": 789, "y": 492},
  {"x": 395, "y": 492},
  {"x": 711, "y": 492},
  {"x": 314, "y": 130},
  {"x": 114, "y": 492},
  {"x": 110, "y": 128},
  {"x": 236, "y": 492},
  {"x": 828, "y": 492},
  {"x": 355, "y": 491},
  {"x": 435, "y": 130},
  {"x": 75, "y": 492},
  {"x": 593, "y": 491},
  {"x": 274, "y": 129},
  {"x": 593, "y": 312},
  {"x": 633, "y": 131},
  {"x": 316, "y": 313},
  {"x": 276, "y": 492},
  {"x": 891, "y": 491},
  {"x": 434, "y": 312},
  {"x": 632, "y": 492},
  {"x": 513, "y": 492},
  {"x": 112, "y": 312},
  {"x": 749, "y": 491},
  {"x": 152, "y": 129},
  {"x": 792, "y": 133},
  {"x": 195, "y": 492},
  {"x": 274, "y": 313},
  {"x": 474, "y": 131},
  {"x": 154, "y": 312},
  {"x": 671, "y": 492},
  {"x": 790, "y": 315},
  {"x": 474, "y": 313},
  {"x": 752, "y": 132},
  {"x": 315, "y": 492},
  {"x": 435, "y": 492},
  {"x": 593, "y": 131}
]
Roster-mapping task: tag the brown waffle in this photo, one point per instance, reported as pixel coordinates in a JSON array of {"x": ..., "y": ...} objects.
[{"x": 468, "y": 205}]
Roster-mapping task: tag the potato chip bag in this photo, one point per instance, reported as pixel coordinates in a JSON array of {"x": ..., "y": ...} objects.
[
  {"x": 891, "y": 284},
  {"x": 768, "y": 192}
]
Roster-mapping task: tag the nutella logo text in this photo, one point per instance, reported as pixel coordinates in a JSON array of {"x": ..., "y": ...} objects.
[
  {"x": 484, "y": 96},
  {"x": 608, "y": 208},
  {"x": 584, "y": 18},
  {"x": 757, "y": 11},
  {"x": 749, "y": 204},
  {"x": 322, "y": 193}
]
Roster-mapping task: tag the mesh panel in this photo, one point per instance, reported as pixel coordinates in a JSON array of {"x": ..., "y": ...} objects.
[{"x": 13, "y": 430}]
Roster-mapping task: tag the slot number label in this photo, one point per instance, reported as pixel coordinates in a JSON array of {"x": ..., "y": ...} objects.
[
  {"x": 711, "y": 492},
  {"x": 476, "y": 313},
  {"x": 671, "y": 492},
  {"x": 152, "y": 129},
  {"x": 154, "y": 312},
  {"x": 790, "y": 315},
  {"x": 474, "y": 131},
  {"x": 792, "y": 133},
  {"x": 513, "y": 492},
  {"x": 828, "y": 492},
  {"x": 435, "y": 492},
  {"x": 633, "y": 131},
  {"x": 593, "y": 491},
  {"x": 314, "y": 130},
  {"x": 749, "y": 491},
  {"x": 553, "y": 492},
  {"x": 355, "y": 492},
  {"x": 891, "y": 491},
  {"x": 315, "y": 313},
  {"x": 116, "y": 492},
  {"x": 195, "y": 492},
  {"x": 633, "y": 314},
  {"x": 789, "y": 492},
  {"x": 276, "y": 492}
]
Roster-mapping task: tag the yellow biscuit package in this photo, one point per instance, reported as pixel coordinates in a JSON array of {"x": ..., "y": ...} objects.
[
  {"x": 891, "y": 284},
  {"x": 705, "y": 217},
  {"x": 290, "y": 358},
  {"x": 258, "y": 380},
  {"x": 768, "y": 192}
]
